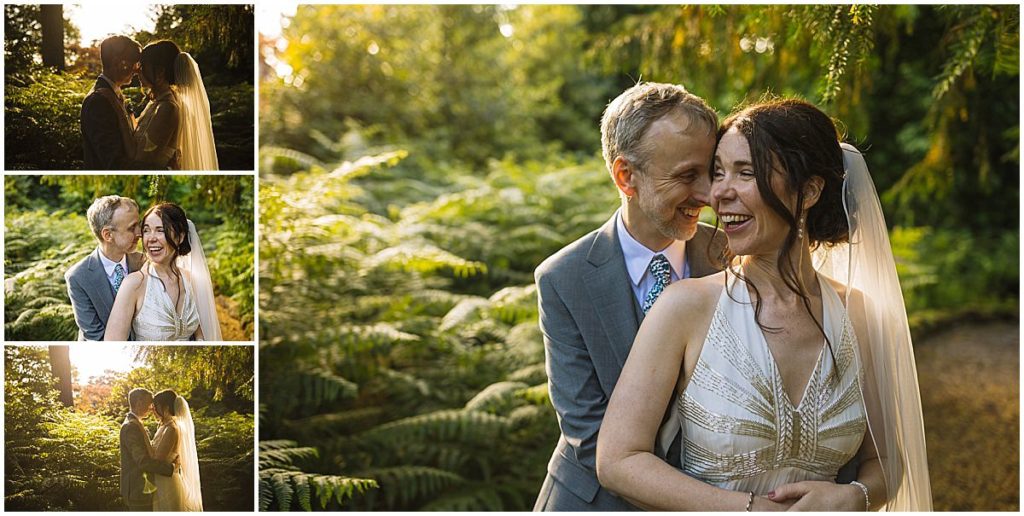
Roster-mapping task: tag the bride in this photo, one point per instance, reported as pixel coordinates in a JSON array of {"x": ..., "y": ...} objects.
[
  {"x": 176, "y": 439},
  {"x": 788, "y": 365},
  {"x": 171, "y": 297},
  {"x": 175, "y": 130}
]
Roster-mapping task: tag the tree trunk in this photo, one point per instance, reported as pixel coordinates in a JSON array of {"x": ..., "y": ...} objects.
[
  {"x": 51, "y": 18},
  {"x": 60, "y": 365}
]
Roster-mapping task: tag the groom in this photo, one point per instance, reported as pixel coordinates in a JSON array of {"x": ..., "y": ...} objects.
[
  {"x": 658, "y": 142},
  {"x": 93, "y": 282},
  {"x": 106, "y": 124},
  {"x": 135, "y": 457}
]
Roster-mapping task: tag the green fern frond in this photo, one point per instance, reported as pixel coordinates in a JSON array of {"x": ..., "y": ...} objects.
[
  {"x": 531, "y": 374},
  {"x": 424, "y": 258},
  {"x": 466, "y": 310},
  {"x": 537, "y": 395},
  {"x": 513, "y": 305},
  {"x": 444, "y": 425},
  {"x": 495, "y": 397},
  {"x": 404, "y": 484}
]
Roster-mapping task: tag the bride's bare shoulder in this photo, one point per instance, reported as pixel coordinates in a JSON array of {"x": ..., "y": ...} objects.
[
  {"x": 133, "y": 283},
  {"x": 690, "y": 293}
]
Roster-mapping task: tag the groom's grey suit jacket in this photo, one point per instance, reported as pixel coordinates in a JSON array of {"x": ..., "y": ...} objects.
[
  {"x": 91, "y": 295},
  {"x": 589, "y": 317},
  {"x": 108, "y": 138},
  {"x": 135, "y": 459}
]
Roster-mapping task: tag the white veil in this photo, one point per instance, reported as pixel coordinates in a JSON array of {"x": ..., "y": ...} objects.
[
  {"x": 195, "y": 134},
  {"x": 192, "y": 495},
  {"x": 866, "y": 265},
  {"x": 202, "y": 285}
]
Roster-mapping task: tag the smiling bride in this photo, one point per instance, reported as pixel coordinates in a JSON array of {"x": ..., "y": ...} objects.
[{"x": 171, "y": 297}]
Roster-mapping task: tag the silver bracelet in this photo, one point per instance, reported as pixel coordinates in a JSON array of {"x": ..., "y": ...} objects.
[
  {"x": 867, "y": 500},
  {"x": 750, "y": 502}
]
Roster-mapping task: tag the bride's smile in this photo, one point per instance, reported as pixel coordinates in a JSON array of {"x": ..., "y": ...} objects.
[{"x": 154, "y": 239}]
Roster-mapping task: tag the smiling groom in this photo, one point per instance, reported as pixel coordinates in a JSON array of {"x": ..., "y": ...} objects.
[
  {"x": 93, "y": 282},
  {"x": 657, "y": 141}
]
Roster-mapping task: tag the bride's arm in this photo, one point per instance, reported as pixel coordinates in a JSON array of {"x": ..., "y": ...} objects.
[
  {"x": 141, "y": 452},
  {"x": 168, "y": 443},
  {"x": 626, "y": 463},
  {"x": 158, "y": 139},
  {"x": 120, "y": 321}
]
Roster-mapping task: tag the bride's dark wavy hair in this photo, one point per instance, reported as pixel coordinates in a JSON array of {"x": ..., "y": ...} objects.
[
  {"x": 175, "y": 224},
  {"x": 165, "y": 399},
  {"x": 796, "y": 140},
  {"x": 157, "y": 56}
]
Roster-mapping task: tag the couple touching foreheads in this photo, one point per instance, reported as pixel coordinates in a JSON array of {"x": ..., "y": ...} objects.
[
  {"x": 163, "y": 294},
  {"x": 784, "y": 381},
  {"x": 161, "y": 474},
  {"x": 174, "y": 130}
]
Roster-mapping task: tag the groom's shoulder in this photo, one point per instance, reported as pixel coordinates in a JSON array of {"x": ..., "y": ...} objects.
[
  {"x": 77, "y": 268},
  {"x": 569, "y": 259}
]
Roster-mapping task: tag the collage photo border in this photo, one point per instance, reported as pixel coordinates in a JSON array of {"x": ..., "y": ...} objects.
[
  {"x": 254, "y": 174},
  {"x": 252, "y": 344}
]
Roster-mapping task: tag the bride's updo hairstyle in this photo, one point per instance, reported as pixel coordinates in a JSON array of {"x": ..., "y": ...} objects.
[
  {"x": 798, "y": 141},
  {"x": 159, "y": 58},
  {"x": 163, "y": 402}
]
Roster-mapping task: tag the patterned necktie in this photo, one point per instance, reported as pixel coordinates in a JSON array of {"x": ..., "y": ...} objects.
[
  {"x": 662, "y": 274},
  {"x": 118, "y": 277}
]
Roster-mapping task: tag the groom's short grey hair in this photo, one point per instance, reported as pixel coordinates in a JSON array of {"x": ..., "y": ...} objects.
[
  {"x": 628, "y": 117},
  {"x": 136, "y": 395},
  {"x": 101, "y": 213}
]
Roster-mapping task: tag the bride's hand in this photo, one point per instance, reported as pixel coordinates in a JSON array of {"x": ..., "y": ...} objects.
[{"x": 814, "y": 495}]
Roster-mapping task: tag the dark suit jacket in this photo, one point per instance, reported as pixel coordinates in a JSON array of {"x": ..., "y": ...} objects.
[
  {"x": 91, "y": 294},
  {"x": 589, "y": 317},
  {"x": 107, "y": 130},
  {"x": 134, "y": 460}
]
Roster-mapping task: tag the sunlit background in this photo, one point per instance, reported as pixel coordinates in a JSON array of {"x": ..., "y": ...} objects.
[
  {"x": 98, "y": 22},
  {"x": 93, "y": 360},
  {"x": 272, "y": 18}
]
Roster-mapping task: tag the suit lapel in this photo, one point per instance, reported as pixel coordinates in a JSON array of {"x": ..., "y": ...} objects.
[
  {"x": 124, "y": 122},
  {"x": 607, "y": 283},
  {"x": 100, "y": 292}
]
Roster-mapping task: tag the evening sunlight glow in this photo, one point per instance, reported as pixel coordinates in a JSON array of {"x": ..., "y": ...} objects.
[
  {"x": 92, "y": 363},
  {"x": 96, "y": 23}
]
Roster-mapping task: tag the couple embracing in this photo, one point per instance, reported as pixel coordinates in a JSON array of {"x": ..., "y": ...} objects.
[
  {"x": 174, "y": 130},
  {"x": 769, "y": 368},
  {"x": 161, "y": 474},
  {"x": 163, "y": 294}
]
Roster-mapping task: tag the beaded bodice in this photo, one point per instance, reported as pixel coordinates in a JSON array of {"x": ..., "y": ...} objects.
[
  {"x": 740, "y": 429},
  {"x": 158, "y": 320}
]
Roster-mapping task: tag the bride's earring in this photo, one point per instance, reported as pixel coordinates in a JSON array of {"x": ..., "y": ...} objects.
[{"x": 800, "y": 229}]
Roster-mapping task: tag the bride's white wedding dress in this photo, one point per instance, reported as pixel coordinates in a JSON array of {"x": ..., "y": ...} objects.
[
  {"x": 170, "y": 491},
  {"x": 178, "y": 124},
  {"x": 741, "y": 431},
  {"x": 158, "y": 320},
  {"x": 182, "y": 490}
]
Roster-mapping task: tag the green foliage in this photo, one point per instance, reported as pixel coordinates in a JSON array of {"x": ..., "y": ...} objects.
[
  {"x": 283, "y": 482},
  {"x": 57, "y": 458},
  {"x": 219, "y": 37},
  {"x": 42, "y": 122},
  {"x": 47, "y": 233},
  {"x": 948, "y": 272},
  {"x": 458, "y": 89},
  {"x": 450, "y": 351}
]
